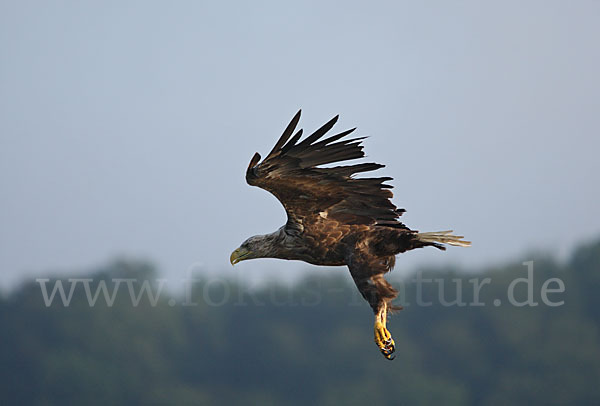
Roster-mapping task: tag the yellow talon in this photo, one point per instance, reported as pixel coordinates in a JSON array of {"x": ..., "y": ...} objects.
[{"x": 384, "y": 340}]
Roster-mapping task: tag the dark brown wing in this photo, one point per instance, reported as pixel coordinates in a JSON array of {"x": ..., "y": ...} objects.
[{"x": 291, "y": 172}]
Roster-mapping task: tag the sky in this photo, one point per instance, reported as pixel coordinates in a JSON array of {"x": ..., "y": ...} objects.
[{"x": 126, "y": 126}]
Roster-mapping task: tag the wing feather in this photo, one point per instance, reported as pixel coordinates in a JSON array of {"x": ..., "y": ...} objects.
[
  {"x": 292, "y": 173},
  {"x": 287, "y": 133},
  {"x": 320, "y": 132}
]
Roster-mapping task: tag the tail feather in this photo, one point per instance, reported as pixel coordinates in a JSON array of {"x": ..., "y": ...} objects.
[{"x": 443, "y": 237}]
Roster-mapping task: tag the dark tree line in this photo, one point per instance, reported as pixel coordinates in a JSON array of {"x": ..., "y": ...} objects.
[{"x": 312, "y": 343}]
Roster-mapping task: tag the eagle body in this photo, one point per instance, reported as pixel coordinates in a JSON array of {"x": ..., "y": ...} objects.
[
  {"x": 335, "y": 218},
  {"x": 331, "y": 244}
]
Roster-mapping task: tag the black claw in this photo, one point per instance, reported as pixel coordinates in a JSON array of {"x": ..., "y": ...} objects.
[
  {"x": 388, "y": 354},
  {"x": 388, "y": 350}
]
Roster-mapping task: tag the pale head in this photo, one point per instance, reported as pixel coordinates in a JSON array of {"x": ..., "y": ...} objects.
[{"x": 258, "y": 246}]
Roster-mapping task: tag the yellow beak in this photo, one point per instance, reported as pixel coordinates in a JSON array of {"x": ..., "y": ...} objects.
[{"x": 239, "y": 255}]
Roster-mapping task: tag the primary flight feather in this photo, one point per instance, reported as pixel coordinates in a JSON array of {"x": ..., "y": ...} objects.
[{"x": 335, "y": 218}]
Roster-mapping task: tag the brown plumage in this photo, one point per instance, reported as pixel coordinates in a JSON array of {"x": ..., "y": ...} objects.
[{"x": 335, "y": 218}]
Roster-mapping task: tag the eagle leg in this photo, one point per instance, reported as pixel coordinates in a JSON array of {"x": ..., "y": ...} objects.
[
  {"x": 368, "y": 277},
  {"x": 383, "y": 337}
]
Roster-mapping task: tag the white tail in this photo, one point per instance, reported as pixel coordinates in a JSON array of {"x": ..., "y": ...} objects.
[{"x": 444, "y": 237}]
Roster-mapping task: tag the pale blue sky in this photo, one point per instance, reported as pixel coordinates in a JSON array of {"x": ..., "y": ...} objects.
[{"x": 126, "y": 127}]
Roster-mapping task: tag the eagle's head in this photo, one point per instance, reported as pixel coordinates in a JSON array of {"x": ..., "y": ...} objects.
[{"x": 258, "y": 246}]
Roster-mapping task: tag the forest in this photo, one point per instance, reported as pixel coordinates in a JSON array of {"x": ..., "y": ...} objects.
[{"x": 517, "y": 333}]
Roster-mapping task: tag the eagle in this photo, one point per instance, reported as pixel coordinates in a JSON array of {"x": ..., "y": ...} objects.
[{"x": 335, "y": 218}]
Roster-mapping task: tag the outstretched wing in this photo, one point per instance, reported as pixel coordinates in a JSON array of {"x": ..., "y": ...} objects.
[{"x": 293, "y": 174}]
